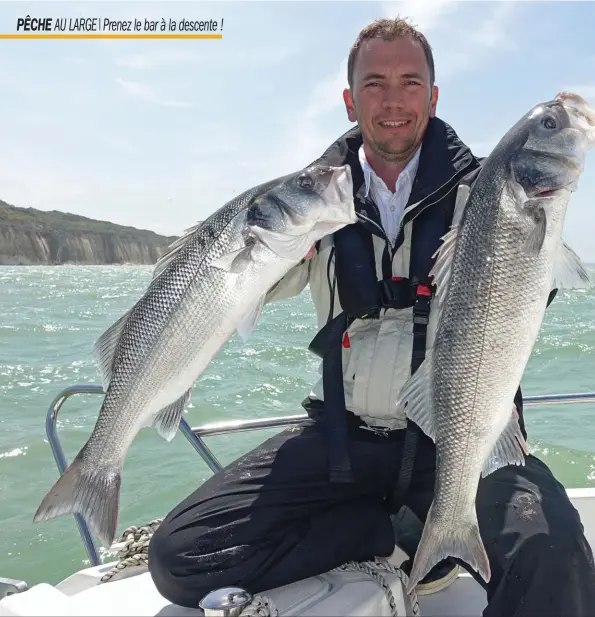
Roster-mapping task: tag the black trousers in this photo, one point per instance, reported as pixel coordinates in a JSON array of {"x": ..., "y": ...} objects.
[{"x": 272, "y": 517}]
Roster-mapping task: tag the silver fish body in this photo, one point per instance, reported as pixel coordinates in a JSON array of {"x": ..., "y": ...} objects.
[
  {"x": 493, "y": 275},
  {"x": 213, "y": 281}
]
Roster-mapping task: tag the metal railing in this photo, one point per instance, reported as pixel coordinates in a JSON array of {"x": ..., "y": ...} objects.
[{"x": 195, "y": 436}]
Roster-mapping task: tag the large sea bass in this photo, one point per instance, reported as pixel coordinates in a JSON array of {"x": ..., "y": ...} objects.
[
  {"x": 493, "y": 273},
  {"x": 212, "y": 281}
]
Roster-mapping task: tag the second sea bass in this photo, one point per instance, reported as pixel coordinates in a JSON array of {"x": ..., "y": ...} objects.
[
  {"x": 213, "y": 281},
  {"x": 493, "y": 275}
]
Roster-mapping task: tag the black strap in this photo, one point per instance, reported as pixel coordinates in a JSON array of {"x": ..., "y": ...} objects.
[
  {"x": 327, "y": 344},
  {"x": 421, "y": 314},
  {"x": 335, "y": 424}
]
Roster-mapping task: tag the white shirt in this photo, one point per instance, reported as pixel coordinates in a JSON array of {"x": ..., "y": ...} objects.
[{"x": 391, "y": 204}]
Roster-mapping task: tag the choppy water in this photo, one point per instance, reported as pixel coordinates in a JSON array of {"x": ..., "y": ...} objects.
[{"x": 50, "y": 318}]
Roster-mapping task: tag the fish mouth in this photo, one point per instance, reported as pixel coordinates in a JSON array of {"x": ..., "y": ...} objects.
[
  {"x": 526, "y": 193},
  {"x": 560, "y": 189},
  {"x": 339, "y": 196},
  {"x": 553, "y": 192},
  {"x": 539, "y": 174},
  {"x": 582, "y": 114},
  {"x": 340, "y": 187}
]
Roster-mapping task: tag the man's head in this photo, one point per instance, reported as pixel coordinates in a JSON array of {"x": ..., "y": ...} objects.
[{"x": 391, "y": 90}]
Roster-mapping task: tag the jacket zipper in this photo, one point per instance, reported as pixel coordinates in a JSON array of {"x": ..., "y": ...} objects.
[
  {"x": 379, "y": 227},
  {"x": 459, "y": 174}
]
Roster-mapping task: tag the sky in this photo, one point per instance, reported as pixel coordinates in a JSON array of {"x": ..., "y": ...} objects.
[{"x": 160, "y": 134}]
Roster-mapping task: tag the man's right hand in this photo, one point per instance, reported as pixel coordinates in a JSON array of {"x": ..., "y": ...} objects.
[{"x": 310, "y": 253}]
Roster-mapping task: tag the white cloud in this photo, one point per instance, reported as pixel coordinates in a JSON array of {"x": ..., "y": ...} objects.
[
  {"x": 460, "y": 40},
  {"x": 308, "y": 132},
  {"x": 27, "y": 181},
  {"x": 212, "y": 139},
  {"x": 464, "y": 44},
  {"x": 492, "y": 32},
  {"x": 197, "y": 165},
  {"x": 251, "y": 57},
  {"x": 146, "y": 92},
  {"x": 260, "y": 57},
  {"x": 327, "y": 94},
  {"x": 309, "y": 135},
  {"x": 156, "y": 59},
  {"x": 424, "y": 15}
]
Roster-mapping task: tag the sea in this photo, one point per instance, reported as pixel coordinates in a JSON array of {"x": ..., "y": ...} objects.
[{"x": 50, "y": 318}]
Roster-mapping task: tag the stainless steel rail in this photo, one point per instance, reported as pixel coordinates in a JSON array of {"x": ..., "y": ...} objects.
[{"x": 195, "y": 435}]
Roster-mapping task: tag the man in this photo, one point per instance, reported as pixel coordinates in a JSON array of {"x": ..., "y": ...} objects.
[{"x": 310, "y": 499}]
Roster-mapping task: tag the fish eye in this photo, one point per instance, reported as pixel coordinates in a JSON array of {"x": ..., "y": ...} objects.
[
  {"x": 549, "y": 122},
  {"x": 305, "y": 181}
]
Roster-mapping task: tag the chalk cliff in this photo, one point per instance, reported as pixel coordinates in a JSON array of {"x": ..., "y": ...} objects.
[{"x": 29, "y": 236}]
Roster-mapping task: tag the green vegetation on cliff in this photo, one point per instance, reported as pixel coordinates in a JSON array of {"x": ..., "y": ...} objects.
[{"x": 68, "y": 222}]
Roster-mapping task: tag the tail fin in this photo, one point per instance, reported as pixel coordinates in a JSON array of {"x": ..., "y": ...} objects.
[
  {"x": 93, "y": 493},
  {"x": 439, "y": 542}
]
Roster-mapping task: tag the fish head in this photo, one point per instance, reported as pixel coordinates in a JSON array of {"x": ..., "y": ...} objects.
[
  {"x": 552, "y": 140},
  {"x": 302, "y": 209}
]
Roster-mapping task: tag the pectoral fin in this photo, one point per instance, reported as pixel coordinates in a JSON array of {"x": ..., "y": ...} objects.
[
  {"x": 416, "y": 400},
  {"x": 536, "y": 236},
  {"x": 510, "y": 449},
  {"x": 250, "y": 318},
  {"x": 167, "y": 420},
  {"x": 234, "y": 261},
  {"x": 287, "y": 246},
  {"x": 569, "y": 271}
]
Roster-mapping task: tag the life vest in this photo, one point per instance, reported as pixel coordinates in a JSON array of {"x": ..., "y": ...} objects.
[{"x": 446, "y": 168}]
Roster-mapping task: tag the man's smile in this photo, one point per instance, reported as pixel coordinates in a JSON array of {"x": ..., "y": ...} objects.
[{"x": 394, "y": 125}]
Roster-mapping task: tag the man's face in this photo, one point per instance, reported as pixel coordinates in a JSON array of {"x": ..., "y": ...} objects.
[{"x": 391, "y": 98}]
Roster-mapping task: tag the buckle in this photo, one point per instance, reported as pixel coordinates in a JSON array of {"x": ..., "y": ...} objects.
[
  {"x": 395, "y": 292},
  {"x": 381, "y": 431},
  {"x": 421, "y": 308},
  {"x": 423, "y": 290}
]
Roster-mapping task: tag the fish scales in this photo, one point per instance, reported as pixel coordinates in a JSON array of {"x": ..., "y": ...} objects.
[
  {"x": 213, "y": 280},
  {"x": 494, "y": 273},
  {"x": 191, "y": 317}
]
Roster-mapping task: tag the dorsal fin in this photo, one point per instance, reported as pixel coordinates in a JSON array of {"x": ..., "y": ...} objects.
[
  {"x": 105, "y": 348},
  {"x": 443, "y": 265},
  {"x": 444, "y": 255},
  {"x": 173, "y": 249}
]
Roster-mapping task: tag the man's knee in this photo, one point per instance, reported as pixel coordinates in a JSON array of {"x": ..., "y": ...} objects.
[
  {"x": 558, "y": 544},
  {"x": 175, "y": 572},
  {"x": 566, "y": 541},
  {"x": 162, "y": 565},
  {"x": 188, "y": 563}
]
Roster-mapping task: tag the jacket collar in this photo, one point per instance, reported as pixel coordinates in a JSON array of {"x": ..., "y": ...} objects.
[{"x": 443, "y": 156}]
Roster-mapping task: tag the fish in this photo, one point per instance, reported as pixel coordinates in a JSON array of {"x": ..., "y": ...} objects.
[
  {"x": 212, "y": 282},
  {"x": 493, "y": 273}
]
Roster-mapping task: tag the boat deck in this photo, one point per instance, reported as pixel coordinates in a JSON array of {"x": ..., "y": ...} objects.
[{"x": 334, "y": 593}]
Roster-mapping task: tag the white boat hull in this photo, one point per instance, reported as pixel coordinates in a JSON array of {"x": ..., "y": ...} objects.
[{"x": 333, "y": 593}]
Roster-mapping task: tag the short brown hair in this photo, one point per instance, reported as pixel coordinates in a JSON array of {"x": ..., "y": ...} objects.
[{"x": 389, "y": 30}]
